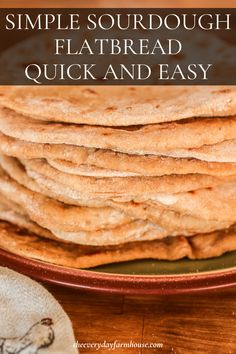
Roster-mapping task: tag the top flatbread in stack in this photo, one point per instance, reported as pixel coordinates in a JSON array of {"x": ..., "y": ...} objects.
[
  {"x": 120, "y": 106},
  {"x": 117, "y": 173}
]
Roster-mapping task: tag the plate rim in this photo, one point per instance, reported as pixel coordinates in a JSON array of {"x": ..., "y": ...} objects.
[{"x": 82, "y": 279}]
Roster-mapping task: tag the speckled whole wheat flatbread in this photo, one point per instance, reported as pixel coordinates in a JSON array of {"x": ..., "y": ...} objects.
[
  {"x": 143, "y": 187},
  {"x": 68, "y": 218},
  {"x": 136, "y": 189},
  {"x": 92, "y": 161},
  {"x": 133, "y": 231},
  {"x": 218, "y": 202},
  {"x": 47, "y": 187},
  {"x": 221, "y": 152},
  {"x": 68, "y": 223},
  {"x": 24, "y": 243},
  {"x": 12, "y": 213},
  {"x": 210, "y": 203},
  {"x": 74, "y": 227},
  {"x": 172, "y": 220},
  {"x": 124, "y": 165},
  {"x": 116, "y": 106},
  {"x": 164, "y": 217},
  {"x": 149, "y": 139}
]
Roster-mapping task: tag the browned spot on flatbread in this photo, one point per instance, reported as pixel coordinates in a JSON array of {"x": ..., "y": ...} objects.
[
  {"x": 111, "y": 109},
  {"x": 89, "y": 90},
  {"x": 222, "y": 91}
]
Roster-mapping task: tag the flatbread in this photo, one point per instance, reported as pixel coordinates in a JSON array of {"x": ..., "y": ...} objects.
[
  {"x": 174, "y": 222},
  {"x": 92, "y": 171},
  {"x": 144, "y": 187},
  {"x": 116, "y": 106},
  {"x": 124, "y": 165},
  {"x": 150, "y": 139},
  {"x": 73, "y": 226},
  {"x": 212, "y": 203},
  {"x": 47, "y": 187},
  {"x": 137, "y": 230},
  {"x": 218, "y": 202},
  {"x": 26, "y": 244},
  {"x": 169, "y": 219},
  {"x": 50, "y": 213},
  {"x": 7, "y": 213},
  {"x": 139, "y": 210},
  {"x": 221, "y": 152},
  {"x": 134, "y": 231}
]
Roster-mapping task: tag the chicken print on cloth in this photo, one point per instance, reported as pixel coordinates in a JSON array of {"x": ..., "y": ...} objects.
[
  {"x": 40, "y": 335},
  {"x": 31, "y": 320}
]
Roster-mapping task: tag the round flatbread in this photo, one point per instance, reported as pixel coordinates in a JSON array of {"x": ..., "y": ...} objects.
[
  {"x": 119, "y": 106},
  {"x": 149, "y": 139},
  {"x": 108, "y": 188},
  {"x": 24, "y": 243},
  {"x": 221, "y": 152}
]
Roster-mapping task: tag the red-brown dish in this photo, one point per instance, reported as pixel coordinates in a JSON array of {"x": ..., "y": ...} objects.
[{"x": 106, "y": 279}]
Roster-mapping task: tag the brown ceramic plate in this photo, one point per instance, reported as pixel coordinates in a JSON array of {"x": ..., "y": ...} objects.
[{"x": 136, "y": 277}]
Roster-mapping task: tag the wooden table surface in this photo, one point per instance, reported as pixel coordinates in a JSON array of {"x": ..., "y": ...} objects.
[{"x": 186, "y": 324}]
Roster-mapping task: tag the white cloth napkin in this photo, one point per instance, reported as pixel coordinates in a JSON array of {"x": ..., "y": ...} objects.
[{"x": 31, "y": 320}]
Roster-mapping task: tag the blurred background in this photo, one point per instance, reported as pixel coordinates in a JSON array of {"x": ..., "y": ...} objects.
[
  {"x": 13, "y": 37},
  {"x": 118, "y": 3}
]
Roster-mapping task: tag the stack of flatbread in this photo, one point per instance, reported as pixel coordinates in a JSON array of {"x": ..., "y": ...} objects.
[{"x": 94, "y": 175}]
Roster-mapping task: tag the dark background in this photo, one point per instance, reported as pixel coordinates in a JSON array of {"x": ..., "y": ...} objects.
[{"x": 222, "y": 72}]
